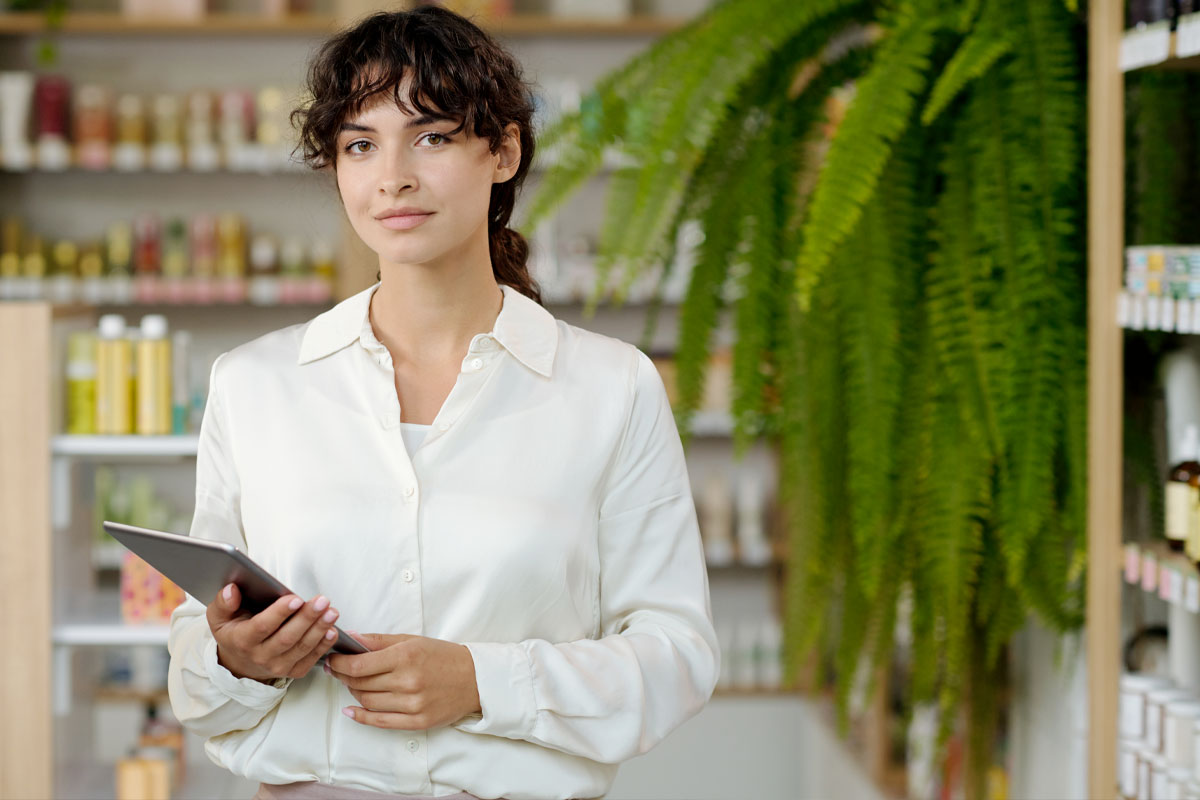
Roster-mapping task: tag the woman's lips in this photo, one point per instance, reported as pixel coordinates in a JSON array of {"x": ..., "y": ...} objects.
[{"x": 404, "y": 221}]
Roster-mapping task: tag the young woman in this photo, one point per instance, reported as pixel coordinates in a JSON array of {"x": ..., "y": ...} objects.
[{"x": 498, "y": 499}]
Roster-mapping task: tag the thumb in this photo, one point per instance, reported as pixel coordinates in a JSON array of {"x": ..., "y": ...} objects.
[{"x": 228, "y": 601}]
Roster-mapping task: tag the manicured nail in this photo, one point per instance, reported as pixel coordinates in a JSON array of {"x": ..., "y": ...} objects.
[
  {"x": 330, "y": 615},
  {"x": 228, "y": 591},
  {"x": 328, "y": 671},
  {"x": 322, "y": 603},
  {"x": 296, "y": 603},
  {"x": 349, "y": 712},
  {"x": 329, "y": 634}
]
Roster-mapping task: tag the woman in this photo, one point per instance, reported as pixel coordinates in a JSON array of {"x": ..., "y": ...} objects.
[{"x": 500, "y": 497}]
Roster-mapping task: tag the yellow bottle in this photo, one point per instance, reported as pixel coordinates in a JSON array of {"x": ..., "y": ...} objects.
[
  {"x": 154, "y": 377},
  {"x": 81, "y": 383},
  {"x": 114, "y": 378}
]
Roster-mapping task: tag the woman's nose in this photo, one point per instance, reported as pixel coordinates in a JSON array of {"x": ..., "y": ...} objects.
[{"x": 396, "y": 174}]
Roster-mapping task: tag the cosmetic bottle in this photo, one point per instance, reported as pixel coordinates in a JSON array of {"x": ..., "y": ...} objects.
[
  {"x": 154, "y": 374},
  {"x": 202, "y": 241},
  {"x": 81, "y": 383},
  {"x": 62, "y": 285},
  {"x": 203, "y": 155},
  {"x": 231, "y": 258},
  {"x": 114, "y": 377},
  {"x": 237, "y": 126},
  {"x": 324, "y": 268},
  {"x": 10, "y": 258},
  {"x": 268, "y": 148},
  {"x": 129, "y": 152},
  {"x": 263, "y": 286},
  {"x": 16, "y": 104},
  {"x": 119, "y": 250},
  {"x": 181, "y": 390},
  {"x": 147, "y": 258},
  {"x": 716, "y": 526},
  {"x": 294, "y": 279},
  {"x": 166, "y": 152},
  {"x": 175, "y": 246},
  {"x": 52, "y": 96},
  {"x": 1182, "y": 493},
  {"x": 753, "y": 547},
  {"x": 92, "y": 285},
  {"x": 34, "y": 267},
  {"x": 92, "y": 125}
]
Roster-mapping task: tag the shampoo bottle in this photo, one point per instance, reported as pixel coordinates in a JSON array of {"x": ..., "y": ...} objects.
[
  {"x": 114, "y": 376},
  {"x": 154, "y": 377}
]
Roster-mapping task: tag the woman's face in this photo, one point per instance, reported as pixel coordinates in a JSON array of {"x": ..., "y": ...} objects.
[{"x": 388, "y": 159}]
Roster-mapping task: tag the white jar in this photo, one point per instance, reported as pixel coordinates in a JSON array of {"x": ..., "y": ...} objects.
[
  {"x": 1158, "y": 777},
  {"x": 1134, "y": 686},
  {"x": 1155, "y": 700},
  {"x": 1179, "y": 728},
  {"x": 1144, "y": 758},
  {"x": 1178, "y": 779},
  {"x": 1127, "y": 767}
]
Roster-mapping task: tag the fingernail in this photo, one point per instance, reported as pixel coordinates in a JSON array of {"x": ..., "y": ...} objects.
[
  {"x": 228, "y": 591},
  {"x": 321, "y": 604},
  {"x": 329, "y": 634},
  {"x": 349, "y": 712},
  {"x": 330, "y": 615},
  {"x": 296, "y": 603},
  {"x": 328, "y": 671}
]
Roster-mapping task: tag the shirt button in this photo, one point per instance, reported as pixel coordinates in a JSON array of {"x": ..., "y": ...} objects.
[
  {"x": 408, "y": 575},
  {"x": 413, "y": 745},
  {"x": 409, "y": 491}
]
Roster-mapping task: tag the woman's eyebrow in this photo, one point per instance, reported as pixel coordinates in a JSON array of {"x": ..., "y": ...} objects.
[{"x": 415, "y": 122}]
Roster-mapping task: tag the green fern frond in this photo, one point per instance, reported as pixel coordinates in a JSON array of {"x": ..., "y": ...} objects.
[
  {"x": 858, "y": 154},
  {"x": 975, "y": 56}
]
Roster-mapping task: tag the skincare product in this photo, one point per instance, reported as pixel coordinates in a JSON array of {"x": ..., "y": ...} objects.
[
  {"x": 1182, "y": 493},
  {"x": 81, "y": 383},
  {"x": 52, "y": 96},
  {"x": 93, "y": 129},
  {"x": 154, "y": 415},
  {"x": 114, "y": 377},
  {"x": 16, "y": 103},
  {"x": 129, "y": 153}
]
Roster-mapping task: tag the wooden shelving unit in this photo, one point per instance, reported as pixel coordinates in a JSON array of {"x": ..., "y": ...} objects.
[
  {"x": 1109, "y": 48},
  {"x": 26, "y": 23}
]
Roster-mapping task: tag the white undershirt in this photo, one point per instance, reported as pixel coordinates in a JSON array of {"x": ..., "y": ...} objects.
[{"x": 413, "y": 434}]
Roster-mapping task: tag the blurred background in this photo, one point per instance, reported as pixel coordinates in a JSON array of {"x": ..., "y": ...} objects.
[{"x": 922, "y": 279}]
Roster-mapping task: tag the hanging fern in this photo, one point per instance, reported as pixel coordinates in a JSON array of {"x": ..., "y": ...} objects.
[{"x": 906, "y": 288}]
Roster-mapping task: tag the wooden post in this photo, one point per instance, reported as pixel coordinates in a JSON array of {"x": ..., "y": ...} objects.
[
  {"x": 26, "y": 733},
  {"x": 1106, "y": 159}
]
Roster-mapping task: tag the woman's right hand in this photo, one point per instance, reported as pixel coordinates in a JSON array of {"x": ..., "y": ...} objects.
[{"x": 284, "y": 640}]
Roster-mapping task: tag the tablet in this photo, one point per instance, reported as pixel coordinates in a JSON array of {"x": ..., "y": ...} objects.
[{"x": 202, "y": 567}]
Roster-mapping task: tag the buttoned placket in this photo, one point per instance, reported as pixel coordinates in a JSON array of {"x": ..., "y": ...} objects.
[{"x": 473, "y": 372}]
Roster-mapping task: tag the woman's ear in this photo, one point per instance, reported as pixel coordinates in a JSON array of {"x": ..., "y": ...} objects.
[{"x": 509, "y": 154}]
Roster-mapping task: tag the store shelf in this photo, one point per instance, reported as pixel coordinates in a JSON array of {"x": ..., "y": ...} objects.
[
  {"x": 25, "y": 23},
  {"x": 1159, "y": 47},
  {"x": 1157, "y": 569},
  {"x": 153, "y": 447},
  {"x": 107, "y": 633}
]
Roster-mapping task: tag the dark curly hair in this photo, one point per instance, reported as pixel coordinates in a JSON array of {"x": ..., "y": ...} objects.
[{"x": 457, "y": 70}]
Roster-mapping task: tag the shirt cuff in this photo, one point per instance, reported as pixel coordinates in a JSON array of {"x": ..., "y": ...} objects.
[
  {"x": 247, "y": 691},
  {"x": 504, "y": 675}
]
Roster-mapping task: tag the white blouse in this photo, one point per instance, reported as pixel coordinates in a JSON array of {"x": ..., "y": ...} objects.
[{"x": 545, "y": 520}]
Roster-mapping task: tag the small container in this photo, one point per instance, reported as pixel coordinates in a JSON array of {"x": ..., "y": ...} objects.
[
  {"x": 1158, "y": 777},
  {"x": 1179, "y": 732},
  {"x": 1143, "y": 772},
  {"x": 1127, "y": 767},
  {"x": 81, "y": 383},
  {"x": 1155, "y": 718},
  {"x": 1178, "y": 779}
]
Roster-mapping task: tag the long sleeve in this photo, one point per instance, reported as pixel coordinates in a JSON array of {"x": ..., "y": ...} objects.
[
  {"x": 657, "y": 660},
  {"x": 205, "y": 696}
]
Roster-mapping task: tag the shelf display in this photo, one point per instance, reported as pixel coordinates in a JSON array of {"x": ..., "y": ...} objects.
[
  {"x": 238, "y": 129},
  {"x": 207, "y": 259}
]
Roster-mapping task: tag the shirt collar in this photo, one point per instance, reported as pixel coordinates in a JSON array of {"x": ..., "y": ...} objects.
[{"x": 523, "y": 327}]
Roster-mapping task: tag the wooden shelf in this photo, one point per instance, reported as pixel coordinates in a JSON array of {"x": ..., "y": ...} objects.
[{"x": 26, "y": 23}]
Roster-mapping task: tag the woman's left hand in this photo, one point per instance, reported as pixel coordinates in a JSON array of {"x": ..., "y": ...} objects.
[{"x": 407, "y": 682}]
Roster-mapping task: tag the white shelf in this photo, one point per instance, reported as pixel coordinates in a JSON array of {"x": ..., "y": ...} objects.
[
  {"x": 108, "y": 633},
  {"x": 182, "y": 446}
]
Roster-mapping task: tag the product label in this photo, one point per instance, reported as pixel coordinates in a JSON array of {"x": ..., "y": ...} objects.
[
  {"x": 1133, "y": 563},
  {"x": 1181, "y": 499}
]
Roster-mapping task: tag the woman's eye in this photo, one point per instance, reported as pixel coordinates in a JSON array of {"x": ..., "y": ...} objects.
[
  {"x": 350, "y": 147},
  {"x": 441, "y": 136}
]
